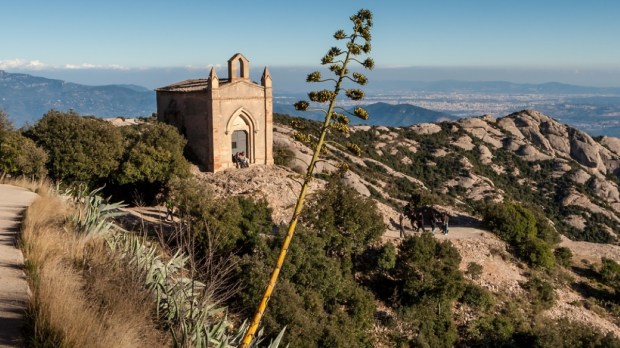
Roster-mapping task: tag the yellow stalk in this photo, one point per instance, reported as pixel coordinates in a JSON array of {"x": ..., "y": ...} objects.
[{"x": 249, "y": 336}]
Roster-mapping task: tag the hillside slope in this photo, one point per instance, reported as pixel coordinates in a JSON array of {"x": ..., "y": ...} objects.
[
  {"x": 26, "y": 98},
  {"x": 525, "y": 157}
]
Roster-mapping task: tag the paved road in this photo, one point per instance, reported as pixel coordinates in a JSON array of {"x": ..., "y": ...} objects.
[{"x": 13, "y": 285}]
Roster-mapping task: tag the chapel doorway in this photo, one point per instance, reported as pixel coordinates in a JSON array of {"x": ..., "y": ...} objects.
[{"x": 240, "y": 142}]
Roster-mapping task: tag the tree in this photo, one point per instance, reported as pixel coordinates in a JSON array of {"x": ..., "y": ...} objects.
[
  {"x": 347, "y": 221},
  {"x": 528, "y": 233},
  {"x": 428, "y": 280},
  {"x": 5, "y": 124},
  {"x": 80, "y": 149},
  {"x": 320, "y": 304},
  {"x": 428, "y": 269},
  {"x": 154, "y": 154},
  {"x": 18, "y": 154},
  {"x": 21, "y": 156},
  {"x": 338, "y": 61}
]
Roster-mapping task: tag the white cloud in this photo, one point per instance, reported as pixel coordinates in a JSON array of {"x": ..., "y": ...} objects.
[
  {"x": 92, "y": 66},
  {"x": 23, "y": 64},
  {"x": 203, "y": 67}
]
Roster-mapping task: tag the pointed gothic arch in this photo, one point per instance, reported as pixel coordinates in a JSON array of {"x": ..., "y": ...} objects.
[{"x": 242, "y": 121}]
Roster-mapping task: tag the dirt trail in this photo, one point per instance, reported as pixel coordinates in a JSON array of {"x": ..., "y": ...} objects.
[{"x": 13, "y": 286}]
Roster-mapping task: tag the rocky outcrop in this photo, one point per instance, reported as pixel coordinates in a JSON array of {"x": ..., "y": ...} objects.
[{"x": 426, "y": 128}]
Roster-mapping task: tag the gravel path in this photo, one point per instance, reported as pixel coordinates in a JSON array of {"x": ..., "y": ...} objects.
[{"x": 13, "y": 285}]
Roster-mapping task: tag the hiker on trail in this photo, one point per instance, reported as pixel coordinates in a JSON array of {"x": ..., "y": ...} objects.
[
  {"x": 419, "y": 217},
  {"x": 169, "y": 210},
  {"x": 433, "y": 222},
  {"x": 444, "y": 223}
]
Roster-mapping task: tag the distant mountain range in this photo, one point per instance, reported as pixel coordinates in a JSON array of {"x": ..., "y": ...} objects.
[
  {"x": 381, "y": 114},
  {"x": 26, "y": 98}
]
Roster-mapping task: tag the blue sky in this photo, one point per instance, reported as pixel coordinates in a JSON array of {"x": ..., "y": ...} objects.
[{"x": 574, "y": 38}]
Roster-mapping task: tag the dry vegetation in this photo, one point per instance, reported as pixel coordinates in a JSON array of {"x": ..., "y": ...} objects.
[{"x": 81, "y": 296}]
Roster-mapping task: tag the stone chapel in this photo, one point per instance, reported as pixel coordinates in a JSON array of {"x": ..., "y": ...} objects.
[{"x": 221, "y": 117}]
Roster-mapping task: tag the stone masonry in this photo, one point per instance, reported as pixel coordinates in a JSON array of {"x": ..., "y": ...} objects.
[{"x": 220, "y": 117}]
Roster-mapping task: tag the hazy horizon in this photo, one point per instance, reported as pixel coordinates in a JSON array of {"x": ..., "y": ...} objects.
[
  {"x": 152, "y": 43},
  {"x": 291, "y": 79}
]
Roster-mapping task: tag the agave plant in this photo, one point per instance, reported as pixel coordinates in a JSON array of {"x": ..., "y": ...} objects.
[
  {"x": 180, "y": 302},
  {"x": 94, "y": 213},
  {"x": 192, "y": 319}
]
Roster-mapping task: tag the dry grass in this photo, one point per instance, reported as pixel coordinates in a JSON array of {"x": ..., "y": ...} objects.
[
  {"x": 40, "y": 186},
  {"x": 82, "y": 296}
]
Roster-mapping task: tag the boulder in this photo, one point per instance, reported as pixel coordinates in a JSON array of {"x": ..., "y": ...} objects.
[
  {"x": 464, "y": 142},
  {"x": 613, "y": 144},
  {"x": 585, "y": 150},
  {"x": 426, "y": 128},
  {"x": 486, "y": 156},
  {"x": 509, "y": 126}
]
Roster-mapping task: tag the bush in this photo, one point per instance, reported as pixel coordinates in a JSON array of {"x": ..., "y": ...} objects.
[
  {"x": 387, "y": 257},
  {"x": 474, "y": 270},
  {"x": 316, "y": 299},
  {"x": 427, "y": 269},
  {"x": 80, "y": 149},
  {"x": 541, "y": 293},
  {"x": 282, "y": 154},
  {"x": 153, "y": 154},
  {"x": 610, "y": 274},
  {"x": 347, "y": 221},
  {"x": 21, "y": 156},
  {"x": 220, "y": 225},
  {"x": 477, "y": 297},
  {"x": 526, "y": 232},
  {"x": 563, "y": 256}
]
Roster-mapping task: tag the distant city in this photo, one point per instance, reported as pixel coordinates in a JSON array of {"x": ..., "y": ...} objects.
[{"x": 597, "y": 114}]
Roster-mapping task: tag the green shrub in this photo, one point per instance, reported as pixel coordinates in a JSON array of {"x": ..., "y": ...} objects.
[
  {"x": 610, "y": 274},
  {"x": 563, "y": 256},
  {"x": 477, "y": 297},
  {"x": 317, "y": 300},
  {"x": 21, "y": 156},
  {"x": 347, "y": 221},
  {"x": 80, "y": 149},
  {"x": 474, "y": 270},
  {"x": 153, "y": 154},
  {"x": 282, "y": 154},
  {"x": 427, "y": 268},
  {"x": 433, "y": 320},
  {"x": 526, "y": 232},
  {"x": 541, "y": 293},
  {"x": 387, "y": 257}
]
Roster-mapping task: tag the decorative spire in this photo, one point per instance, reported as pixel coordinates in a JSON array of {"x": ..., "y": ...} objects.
[
  {"x": 214, "y": 81},
  {"x": 266, "y": 79}
]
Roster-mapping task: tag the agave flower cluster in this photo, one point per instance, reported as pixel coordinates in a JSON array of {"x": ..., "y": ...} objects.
[{"x": 338, "y": 60}]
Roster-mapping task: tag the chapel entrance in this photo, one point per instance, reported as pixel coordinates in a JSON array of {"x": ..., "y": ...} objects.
[{"x": 240, "y": 142}]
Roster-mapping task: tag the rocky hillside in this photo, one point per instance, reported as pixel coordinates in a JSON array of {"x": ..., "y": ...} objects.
[{"x": 525, "y": 157}]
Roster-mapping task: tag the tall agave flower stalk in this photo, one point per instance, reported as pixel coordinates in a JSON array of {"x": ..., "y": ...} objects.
[{"x": 338, "y": 60}]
